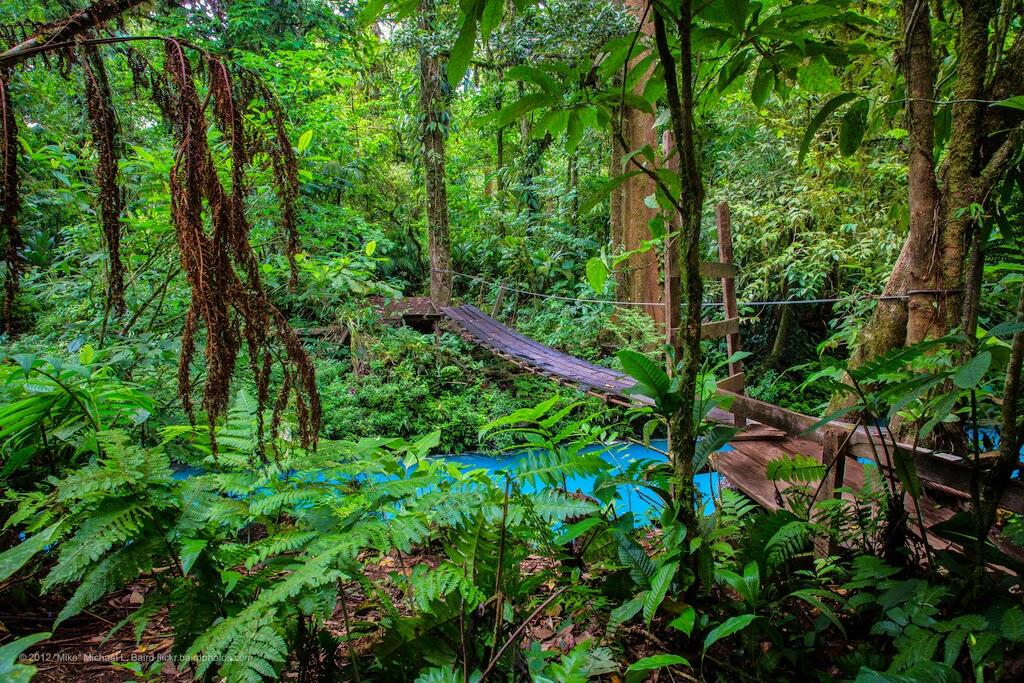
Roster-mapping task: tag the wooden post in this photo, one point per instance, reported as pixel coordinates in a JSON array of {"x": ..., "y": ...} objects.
[
  {"x": 723, "y": 221},
  {"x": 833, "y": 457},
  {"x": 499, "y": 299}
]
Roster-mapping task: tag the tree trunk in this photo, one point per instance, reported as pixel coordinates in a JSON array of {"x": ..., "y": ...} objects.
[
  {"x": 640, "y": 277},
  {"x": 434, "y": 129},
  {"x": 682, "y": 425},
  {"x": 924, "y": 316}
]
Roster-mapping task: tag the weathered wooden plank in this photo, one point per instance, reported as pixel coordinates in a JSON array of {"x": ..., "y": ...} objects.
[
  {"x": 940, "y": 468},
  {"x": 716, "y": 269},
  {"x": 759, "y": 433},
  {"x": 719, "y": 328},
  {"x": 733, "y": 383}
]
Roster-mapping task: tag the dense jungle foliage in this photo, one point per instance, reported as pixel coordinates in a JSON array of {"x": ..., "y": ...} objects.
[{"x": 224, "y": 456}]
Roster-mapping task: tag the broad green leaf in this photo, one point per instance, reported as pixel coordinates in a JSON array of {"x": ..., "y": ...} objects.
[
  {"x": 764, "y": 82},
  {"x": 462, "y": 51},
  {"x": 190, "y": 551},
  {"x": 538, "y": 77},
  {"x": 371, "y": 247},
  {"x": 1012, "y": 626},
  {"x": 819, "y": 118},
  {"x": 627, "y": 610},
  {"x": 1015, "y": 102},
  {"x": 655, "y": 662},
  {"x": 523, "y": 105},
  {"x": 813, "y": 597},
  {"x": 660, "y": 583},
  {"x": 652, "y": 381},
  {"x": 304, "y": 141},
  {"x": 576, "y": 530},
  {"x": 906, "y": 472},
  {"x": 855, "y": 122},
  {"x": 493, "y": 9},
  {"x": 597, "y": 274},
  {"x": 684, "y": 622},
  {"x": 971, "y": 373},
  {"x": 727, "y": 628},
  {"x": 26, "y": 361},
  {"x": 15, "y": 558},
  {"x": 940, "y": 412},
  {"x": 573, "y": 133},
  {"x": 11, "y": 671},
  {"x": 817, "y": 77}
]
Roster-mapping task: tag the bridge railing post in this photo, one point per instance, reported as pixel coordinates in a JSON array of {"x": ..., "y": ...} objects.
[
  {"x": 723, "y": 222},
  {"x": 833, "y": 457}
]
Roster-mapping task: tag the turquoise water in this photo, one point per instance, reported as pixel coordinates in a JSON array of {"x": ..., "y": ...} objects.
[{"x": 643, "y": 504}]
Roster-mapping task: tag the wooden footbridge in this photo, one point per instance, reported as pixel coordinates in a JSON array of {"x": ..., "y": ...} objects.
[{"x": 767, "y": 432}]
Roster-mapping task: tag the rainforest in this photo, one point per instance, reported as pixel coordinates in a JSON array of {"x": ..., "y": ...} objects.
[{"x": 511, "y": 340}]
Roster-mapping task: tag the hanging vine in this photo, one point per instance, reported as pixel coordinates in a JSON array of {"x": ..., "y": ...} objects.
[
  {"x": 229, "y": 309},
  {"x": 103, "y": 123},
  {"x": 10, "y": 202}
]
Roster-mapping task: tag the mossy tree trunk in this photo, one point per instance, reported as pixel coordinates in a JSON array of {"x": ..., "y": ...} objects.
[{"x": 434, "y": 129}]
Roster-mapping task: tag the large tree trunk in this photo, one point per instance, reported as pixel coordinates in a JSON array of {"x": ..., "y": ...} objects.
[
  {"x": 639, "y": 279},
  {"x": 434, "y": 128},
  {"x": 924, "y": 316}
]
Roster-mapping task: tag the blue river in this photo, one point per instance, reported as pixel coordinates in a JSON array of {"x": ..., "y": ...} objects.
[{"x": 644, "y": 505}]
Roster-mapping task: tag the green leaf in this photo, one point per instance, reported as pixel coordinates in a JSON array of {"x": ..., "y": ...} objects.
[
  {"x": 906, "y": 472},
  {"x": 940, "y": 412},
  {"x": 597, "y": 274},
  {"x": 812, "y": 596},
  {"x": 851, "y": 133},
  {"x": 727, "y": 628},
  {"x": 1012, "y": 626},
  {"x": 1015, "y": 102},
  {"x": 656, "y": 662},
  {"x": 462, "y": 51},
  {"x": 652, "y": 381},
  {"x": 604, "y": 190},
  {"x": 817, "y": 76},
  {"x": 26, "y": 361},
  {"x": 573, "y": 133},
  {"x": 538, "y": 77},
  {"x": 576, "y": 530},
  {"x": 304, "y": 141},
  {"x": 764, "y": 82},
  {"x": 971, "y": 374},
  {"x": 10, "y": 669},
  {"x": 684, "y": 622},
  {"x": 523, "y": 105},
  {"x": 190, "y": 550},
  {"x": 15, "y": 558},
  {"x": 626, "y": 610},
  {"x": 819, "y": 118},
  {"x": 371, "y": 247},
  {"x": 493, "y": 9},
  {"x": 660, "y": 583}
]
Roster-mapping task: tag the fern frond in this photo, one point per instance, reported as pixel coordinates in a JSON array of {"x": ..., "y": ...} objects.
[
  {"x": 280, "y": 543},
  {"x": 429, "y": 585},
  {"x": 797, "y": 469},
  {"x": 114, "y": 522}
]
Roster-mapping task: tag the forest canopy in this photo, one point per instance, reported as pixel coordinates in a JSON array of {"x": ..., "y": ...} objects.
[{"x": 551, "y": 341}]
